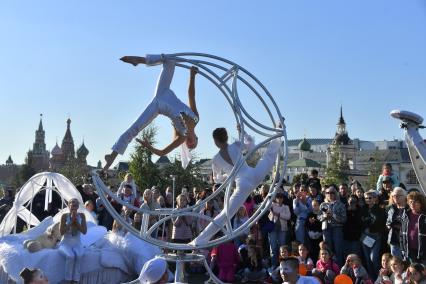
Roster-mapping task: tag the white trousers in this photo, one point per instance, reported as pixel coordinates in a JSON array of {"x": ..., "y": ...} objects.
[
  {"x": 246, "y": 182},
  {"x": 73, "y": 254},
  {"x": 151, "y": 111}
]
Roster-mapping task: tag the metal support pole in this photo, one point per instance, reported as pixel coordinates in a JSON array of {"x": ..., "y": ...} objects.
[{"x": 173, "y": 179}]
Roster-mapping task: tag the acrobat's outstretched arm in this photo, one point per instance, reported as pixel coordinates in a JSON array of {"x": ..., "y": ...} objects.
[
  {"x": 177, "y": 141},
  {"x": 191, "y": 90},
  {"x": 178, "y": 138},
  {"x": 248, "y": 141}
]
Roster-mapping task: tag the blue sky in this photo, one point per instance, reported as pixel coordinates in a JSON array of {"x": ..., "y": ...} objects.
[{"x": 60, "y": 58}]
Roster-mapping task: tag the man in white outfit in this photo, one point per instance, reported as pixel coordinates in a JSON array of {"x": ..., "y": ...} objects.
[{"x": 247, "y": 178}]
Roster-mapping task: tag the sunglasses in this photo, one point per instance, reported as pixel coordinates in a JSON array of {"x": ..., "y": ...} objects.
[
  {"x": 330, "y": 192},
  {"x": 368, "y": 198}
]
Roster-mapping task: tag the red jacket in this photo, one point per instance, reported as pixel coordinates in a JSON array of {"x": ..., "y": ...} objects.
[{"x": 330, "y": 265}]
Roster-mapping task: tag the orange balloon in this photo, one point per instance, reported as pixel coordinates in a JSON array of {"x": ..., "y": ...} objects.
[
  {"x": 342, "y": 279},
  {"x": 302, "y": 269}
]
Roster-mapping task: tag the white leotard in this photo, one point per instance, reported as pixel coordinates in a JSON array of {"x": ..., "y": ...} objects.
[{"x": 164, "y": 102}]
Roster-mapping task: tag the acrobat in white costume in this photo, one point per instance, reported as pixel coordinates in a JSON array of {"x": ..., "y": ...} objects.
[
  {"x": 247, "y": 179},
  {"x": 164, "y": 102}
]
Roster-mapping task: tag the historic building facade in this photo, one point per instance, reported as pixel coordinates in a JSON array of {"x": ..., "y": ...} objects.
[
  {"x": 38, "y": 157},
  {"x": 66, "y": 154},
  {"x": 40, "y": 160},
  {"x": 8, "y": 172},
  {"x": 307, "y": 154}
]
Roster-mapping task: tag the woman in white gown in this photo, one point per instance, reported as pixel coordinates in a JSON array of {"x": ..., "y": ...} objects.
[
  {"x": 72, "y": 225},
  {"x": 184, "y": 118},
  {"x": 247, "y": 178}
]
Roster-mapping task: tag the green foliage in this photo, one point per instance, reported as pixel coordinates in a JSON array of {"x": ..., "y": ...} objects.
[
  {"x": 144, "y": 171},
  {"x": 25, "y": 173},
  {"x": 375, "y": 170},
  {"x": 190, "y": 176},
  {"x": 253, "y": 159},
  {"x": 300, "y": 178},
  {"x": 74, "y": 171},
  {"x": 147, "y": 174},
  {"x": 337, "y": 169}
]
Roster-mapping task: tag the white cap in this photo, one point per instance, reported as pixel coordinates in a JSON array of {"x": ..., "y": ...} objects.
[{"x": 153, "y": 270}]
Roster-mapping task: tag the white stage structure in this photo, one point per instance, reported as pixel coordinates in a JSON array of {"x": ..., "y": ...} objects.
[
  {"x": 227, "y": 77},
  {"x": 49, "y": 182},
  {"x": 411, "y": 123}
]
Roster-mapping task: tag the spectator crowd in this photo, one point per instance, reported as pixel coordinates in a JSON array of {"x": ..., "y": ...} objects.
[{"x": 370, "y": 235}]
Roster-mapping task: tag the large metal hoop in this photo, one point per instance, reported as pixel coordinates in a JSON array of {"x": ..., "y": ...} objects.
[{"x": 225, "y": 75}]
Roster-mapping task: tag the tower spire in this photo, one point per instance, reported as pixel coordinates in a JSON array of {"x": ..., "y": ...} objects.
[
  {"x": 341, "y": 120},
  {"x": 341, "y": 137},
  {"x": 67, "y": 145},
  {"x": 40, "y": 125}
]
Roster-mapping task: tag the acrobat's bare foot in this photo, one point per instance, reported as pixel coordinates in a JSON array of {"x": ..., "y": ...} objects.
[
  {"x": 134, "y": 60},
  {"x": 194, "y": 70},
  {"x": 109, "y": 160}
]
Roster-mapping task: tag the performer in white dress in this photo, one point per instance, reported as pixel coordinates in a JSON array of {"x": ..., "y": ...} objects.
[
  {"x": 72, "y": 225},
  {"x": 247, "y": 178},
  {"x": 184, "y": 118}
]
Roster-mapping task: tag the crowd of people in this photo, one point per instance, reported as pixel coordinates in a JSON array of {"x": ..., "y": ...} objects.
[{"x": 372, "y": 236}]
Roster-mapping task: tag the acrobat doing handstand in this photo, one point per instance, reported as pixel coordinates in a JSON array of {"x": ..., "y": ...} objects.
[
  {"x": 184, "y": 118},
  {"x": 247, "y": 178}
]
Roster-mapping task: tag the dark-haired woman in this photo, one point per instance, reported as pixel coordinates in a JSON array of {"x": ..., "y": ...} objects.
[
  {"x": 413, "y": 229},
  {"x": 33, "y": 276},
  {"x": 279, "y": 214},
  {"x": 352, "y": 227}
]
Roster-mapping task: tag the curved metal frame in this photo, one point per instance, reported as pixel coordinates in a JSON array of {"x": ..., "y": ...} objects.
[
  {"x": 415, "y": 144},
  {"x": 243, "y": 118}
]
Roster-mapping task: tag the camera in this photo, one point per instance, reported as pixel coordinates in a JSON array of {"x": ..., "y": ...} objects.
[{"x": 325, "y": 207}]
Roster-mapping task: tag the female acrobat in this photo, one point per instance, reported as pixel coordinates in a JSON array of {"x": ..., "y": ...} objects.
[{"x": 184, "y": 118}]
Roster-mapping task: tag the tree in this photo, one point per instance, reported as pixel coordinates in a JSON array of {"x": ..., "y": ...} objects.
[
  {"x": 191, "y": 176},
  {"x": 253, "y": 159},
  {"x": 144, "y": 171},
  {"x": 375, "y": 170},
  {"x": 74, "y": 171},
  {"x": 301, "y": 178},
  {"x": 25, "y": 173},
  {"x": 337, "y": 169}
]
